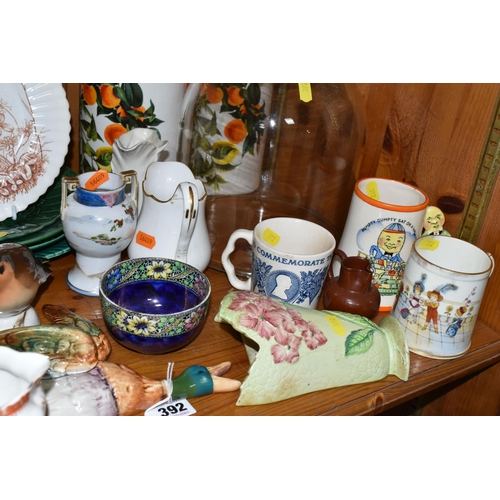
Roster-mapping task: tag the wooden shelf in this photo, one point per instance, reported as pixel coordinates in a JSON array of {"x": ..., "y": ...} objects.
[{"x": 220, "y": 342}]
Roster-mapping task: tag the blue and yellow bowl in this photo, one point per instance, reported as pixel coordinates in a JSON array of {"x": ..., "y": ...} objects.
[{"x": 154, "y": 305}]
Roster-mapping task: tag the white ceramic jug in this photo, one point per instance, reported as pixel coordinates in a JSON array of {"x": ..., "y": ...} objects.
[
  {"x": 172, "y": 220},
  {"x": 136, "y": 150}
]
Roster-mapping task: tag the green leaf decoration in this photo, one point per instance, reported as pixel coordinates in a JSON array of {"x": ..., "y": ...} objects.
[
  {"x": 92, "y": 131},
  {"x": 157, "y": 132},
  {"x": 150, "y": 112},
  {"x": 359, "y": 341},
  {"x": 221, "y": 152},
  {"x": 85, "y": 126},
  {"x": 212, "y": 126},
  {"x": 226, "y": 168},
  {"x": 250, "y": 140},
  {"x": 133, "y": 94},
  {"x": 154, "y": 122},
  {"x": 253, "y": 92},
  {"x": 104, "y": 159},
  {"x": 122, "y": 95},
  {"x": 83, "y": 107},
  {"x": 204, "y": 144},
  {"x": 85, "y": 165},
  {"x": 115, "y": 118},
  {"x": 87, "y": 149}
]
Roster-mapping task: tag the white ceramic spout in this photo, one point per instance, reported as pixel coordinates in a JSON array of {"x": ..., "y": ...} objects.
[{"x": 136, "y": 150}]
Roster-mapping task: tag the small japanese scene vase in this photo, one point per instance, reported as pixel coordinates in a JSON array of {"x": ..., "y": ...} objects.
[
  {"x": 99, "y": 219},
  {"x": 440, "y": 295},
  {"x": 20, "y": 391}
]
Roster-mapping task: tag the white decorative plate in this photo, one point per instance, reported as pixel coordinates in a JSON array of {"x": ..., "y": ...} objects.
[{"x": 34, "y": 137}]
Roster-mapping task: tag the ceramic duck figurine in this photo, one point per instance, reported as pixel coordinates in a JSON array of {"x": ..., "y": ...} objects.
[
  {"x": 80, "y": 381},
  {"x": 21, "y": 274}
]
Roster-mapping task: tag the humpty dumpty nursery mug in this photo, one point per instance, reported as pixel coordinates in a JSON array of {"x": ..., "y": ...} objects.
[
  {"x": 290, "y": 259},
  {"x": 385, "y": 218},
  {"x": 440, "y": 295}
]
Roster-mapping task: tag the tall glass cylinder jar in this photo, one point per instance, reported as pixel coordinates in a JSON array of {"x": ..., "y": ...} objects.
[{"x": 274, "y": 150}]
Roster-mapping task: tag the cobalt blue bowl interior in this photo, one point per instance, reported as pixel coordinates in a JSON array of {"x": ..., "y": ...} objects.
[{"x": 154, "y": 305}]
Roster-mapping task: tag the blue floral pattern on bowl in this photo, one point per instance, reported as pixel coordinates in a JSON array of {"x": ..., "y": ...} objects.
[{"x": 131, "y": 321}]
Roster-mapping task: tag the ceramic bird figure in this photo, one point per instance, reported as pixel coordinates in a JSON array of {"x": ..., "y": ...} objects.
[
  {"x": 21, "y": 274},
  {"x": 80, "y": 380}
]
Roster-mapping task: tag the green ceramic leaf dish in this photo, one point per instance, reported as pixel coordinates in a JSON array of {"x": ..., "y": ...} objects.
[
  {"x": 53, "y": 250},
  {"x": 295, "y": 350},
  {"x": 44, "y": 212}
]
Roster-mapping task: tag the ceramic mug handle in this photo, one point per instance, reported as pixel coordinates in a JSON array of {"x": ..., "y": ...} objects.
[
  {"x": 245, "y": 234},
  {"x": 130, "y": 177},
  {"x": 190, "y": 201},
  {"x": 68, "y": 184},
  {"x": 492, "y": 263}
]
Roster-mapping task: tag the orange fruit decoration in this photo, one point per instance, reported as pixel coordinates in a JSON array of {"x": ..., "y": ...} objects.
[
  {"x": 109, "y": 100},
  {"x": 214, "y": 94},
  {"x": 113, "y": 131},
  {"x": 234, "y": 96},
  {"x": 235, "y": 131},
  {"x": 89, "y": 94}
]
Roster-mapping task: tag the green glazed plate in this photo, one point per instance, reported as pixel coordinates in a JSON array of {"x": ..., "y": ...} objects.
[{"x": 44, "y": 212}]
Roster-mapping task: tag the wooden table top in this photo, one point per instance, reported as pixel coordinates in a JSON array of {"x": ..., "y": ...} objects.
[{"x": 220, "y": 342}]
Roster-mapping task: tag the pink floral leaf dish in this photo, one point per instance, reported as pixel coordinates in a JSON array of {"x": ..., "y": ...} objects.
[{"x": 295, "y": 350}]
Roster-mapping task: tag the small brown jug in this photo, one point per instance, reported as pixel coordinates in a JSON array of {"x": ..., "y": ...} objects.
[{"x": 353, "y": 290}]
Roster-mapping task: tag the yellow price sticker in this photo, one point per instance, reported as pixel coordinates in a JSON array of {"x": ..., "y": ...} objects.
[
  {"x": 372, "y": 190},
  {"x": 336, "y": 324},
  {"x": 305, "y": 92},
  {"x": 428, "y": 244},
  {"x": 270, "y": 237}
]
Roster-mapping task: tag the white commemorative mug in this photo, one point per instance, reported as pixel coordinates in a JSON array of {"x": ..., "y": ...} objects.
[{"x": 290, "y": 259}]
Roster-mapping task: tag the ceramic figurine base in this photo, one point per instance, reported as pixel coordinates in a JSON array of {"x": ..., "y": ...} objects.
[
  {"x": 80, "y": 283},
  {"x": 86, "y": 284},
  {"x": 29, "y": 317}
]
